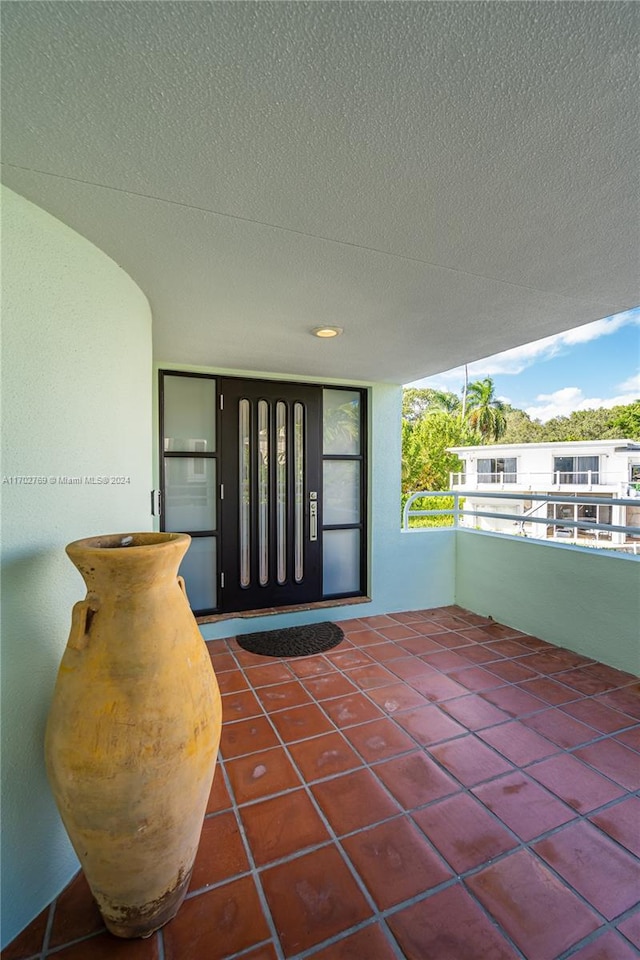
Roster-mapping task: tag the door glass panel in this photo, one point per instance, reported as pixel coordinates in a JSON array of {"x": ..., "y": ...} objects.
[
  {"x": 199, "y": 571},
  {"x": 341, "y": 561},
  {"x": 263, "y": 492},
  {"x": 298, "y": 494},
  {"x": 341, "y": 422},
  {"x": 281, "y": 490},
  {"x": 189, "y": 414},
  {"x": 244, "y": 493},
  {"x": 190, "y": 501},
  {"x": 341, "y": 491}
]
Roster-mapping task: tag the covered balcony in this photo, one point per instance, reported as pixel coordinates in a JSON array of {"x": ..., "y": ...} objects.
[{"x": 197, "y": 190}]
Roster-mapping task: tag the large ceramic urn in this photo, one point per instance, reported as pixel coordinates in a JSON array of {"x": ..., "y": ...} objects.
[{"x": 134, "y": 727}]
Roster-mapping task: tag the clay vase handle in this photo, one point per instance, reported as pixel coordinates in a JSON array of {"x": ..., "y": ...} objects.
[
  {"x": 182, "y": 586},
  {"x": 81, "y": 617}
]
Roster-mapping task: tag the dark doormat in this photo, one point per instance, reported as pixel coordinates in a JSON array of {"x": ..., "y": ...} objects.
[{"x": 293, "y": 641}]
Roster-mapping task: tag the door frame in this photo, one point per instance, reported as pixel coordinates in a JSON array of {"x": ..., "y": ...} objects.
[{"x": 216, "y": 533}]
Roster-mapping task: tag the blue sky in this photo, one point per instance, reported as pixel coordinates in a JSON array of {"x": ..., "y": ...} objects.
[{"x": 594, "y": 365}]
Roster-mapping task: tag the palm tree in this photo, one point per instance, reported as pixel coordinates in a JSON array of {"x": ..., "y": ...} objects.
[
  {"x": 443, "y": 401},
  {"x": 485, "y": 412}
]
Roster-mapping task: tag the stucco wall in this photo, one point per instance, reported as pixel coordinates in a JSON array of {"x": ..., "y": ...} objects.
[
  {"x": 574, "y": 597},
  {"x": 76, "y": 402}
]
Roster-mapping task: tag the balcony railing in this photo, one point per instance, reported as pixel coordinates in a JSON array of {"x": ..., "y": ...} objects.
[{"x": 528, "y": 513}]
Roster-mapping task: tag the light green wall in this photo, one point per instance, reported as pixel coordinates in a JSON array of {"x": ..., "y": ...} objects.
[
  {"x": 586, "y": 600},
  {"x": 406, "y": 572},
  {"x": 76, "y": 401}
]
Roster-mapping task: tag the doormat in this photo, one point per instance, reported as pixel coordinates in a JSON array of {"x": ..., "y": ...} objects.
[{"x": 293, "y": 641}]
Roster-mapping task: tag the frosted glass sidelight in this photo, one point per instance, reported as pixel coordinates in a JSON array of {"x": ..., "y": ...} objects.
[
  {"x": 263, "y": 492},
  {"x": 189, "y": 414},
  {"x": 244, "y": 493},
  {"x": 190, "y": 494},
  {"x": 341, "y": 422},
  {"x": 341, "y": 491},
  {"x": 199, "y": 571},
  {"x": 281, "y": 490},
  {"x": 298, "y": 503},
  {"x": 341, "y": 563}
]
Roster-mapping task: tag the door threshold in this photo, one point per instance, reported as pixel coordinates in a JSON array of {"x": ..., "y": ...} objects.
[{"x": 292, "y": 608}]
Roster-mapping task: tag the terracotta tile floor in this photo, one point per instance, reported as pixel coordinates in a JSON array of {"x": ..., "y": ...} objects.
[{"x": 438, "y": 787}]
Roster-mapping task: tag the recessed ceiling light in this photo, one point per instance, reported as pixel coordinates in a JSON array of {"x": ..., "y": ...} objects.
[{"x": 326, "y": 332}]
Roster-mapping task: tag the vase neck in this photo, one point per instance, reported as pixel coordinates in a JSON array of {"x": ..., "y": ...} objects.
[{"x": 125, "y": 563}]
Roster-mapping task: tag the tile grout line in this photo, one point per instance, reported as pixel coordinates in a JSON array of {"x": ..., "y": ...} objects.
[
  {"x": 520, "y": 845},
  {"x": 515, "y": 766},
  {"x": 544, "y": 705},
  {"x": 560, "y": 751},
  {"x": 333, "y": 836},
  {"x": 48, "y": 928},
  {"x": 266, "y": 911},
  {"x": 453, "y": 613},
  {"x": 590, "y": 938},
  {"x": 405, "y": 814}
]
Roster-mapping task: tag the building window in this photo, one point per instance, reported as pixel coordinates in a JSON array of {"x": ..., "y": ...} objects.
[
  {"x": 501, "y": 470},
  {"x": 585, "y": 470},
  {"x": 588, "y": 513}
]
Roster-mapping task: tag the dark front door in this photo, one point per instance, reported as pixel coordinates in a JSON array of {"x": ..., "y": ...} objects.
[{"x": 271, "y": 502}]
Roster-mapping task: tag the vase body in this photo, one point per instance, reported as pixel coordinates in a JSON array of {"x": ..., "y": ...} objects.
[{"x": 134, "y": 727}]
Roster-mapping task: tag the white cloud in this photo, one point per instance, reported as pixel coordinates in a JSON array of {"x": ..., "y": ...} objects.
[
  {"x": 631, "y": 385},
  {"x": 562, "y": 403},
  {"x": 601, "y": 328},
  {"x": 514, "y": 361}
]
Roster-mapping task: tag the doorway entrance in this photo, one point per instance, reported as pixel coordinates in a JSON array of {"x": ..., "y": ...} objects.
[
  {"x": 268, "y": 478},
  {"x": 271, "y": 511}
]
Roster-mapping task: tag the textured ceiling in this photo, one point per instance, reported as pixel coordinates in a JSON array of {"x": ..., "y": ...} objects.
[{"x": 443, "y": 180}]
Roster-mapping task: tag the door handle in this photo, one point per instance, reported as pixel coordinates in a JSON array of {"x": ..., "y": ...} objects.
[{"x": 313, "y": 515}]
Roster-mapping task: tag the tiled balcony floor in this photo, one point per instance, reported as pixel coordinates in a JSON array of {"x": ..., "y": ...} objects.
[{"x": 438, "y": 787}]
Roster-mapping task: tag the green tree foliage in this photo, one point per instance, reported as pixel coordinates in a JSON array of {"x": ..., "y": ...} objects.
[
  {"x": 432, "y": 422},
  {"x": 431, "y": 503},
  {"x": 520, "y": 427},
  {"x": 600, "y": 424},
  {"x": 626, "y": 421},
  {"x": 485, "y": 412},
  {"x": 426, "y": 462},
  {"x": 416, "y": 403},
  {"x": 341, "y": 425}
]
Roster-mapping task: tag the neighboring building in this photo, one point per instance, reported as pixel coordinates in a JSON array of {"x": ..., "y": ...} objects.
[{"x": 607, "y": 469}]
